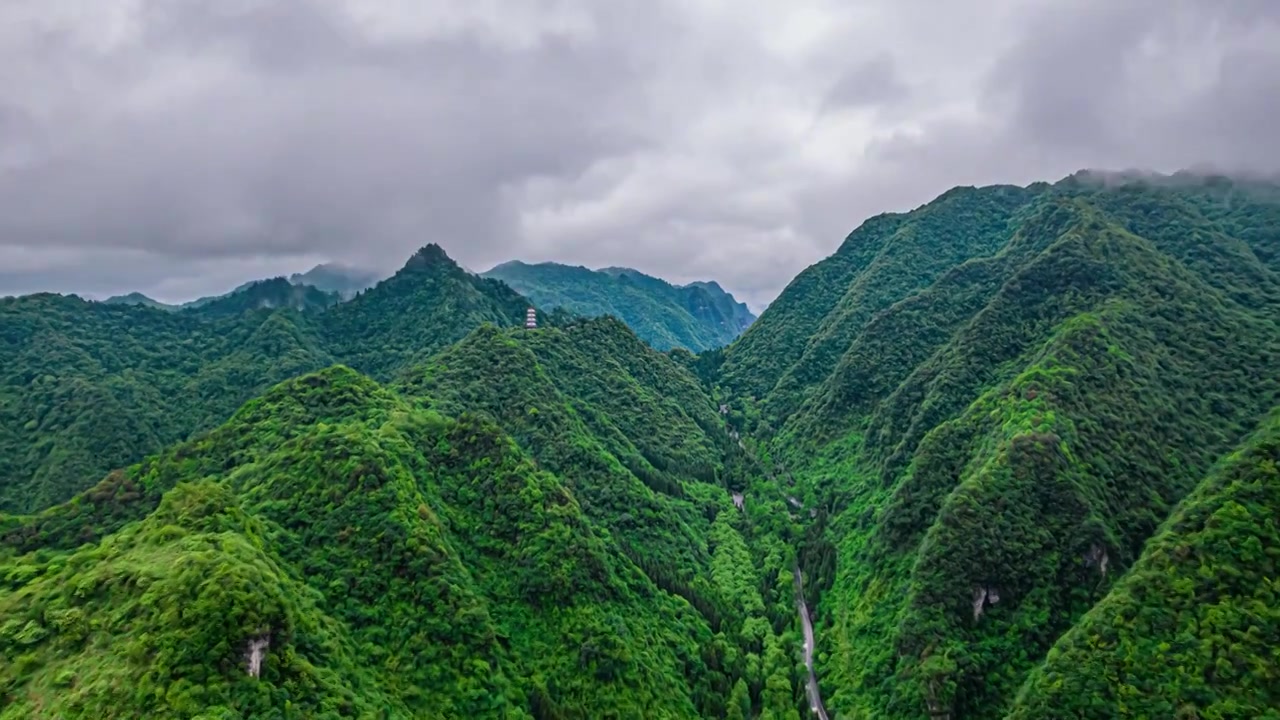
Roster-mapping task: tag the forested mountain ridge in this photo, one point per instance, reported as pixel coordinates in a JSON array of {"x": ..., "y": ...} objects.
[
  {"x": 1020, "y": 443},
  {"x": 640, "y": 442},
  {"x": 650, "y": 595},
  {"x": 696, "y": 317},
  {"x": 88, "y": 387},
  {"x": 430, "y": 303},
  {"x": 267, "y": 295},
  {"x": 984, "y": 434},
  {"x": 1193, "y": 629},
  {"x": 137, "y": 298},
  {"x": 382, "y": 559}
]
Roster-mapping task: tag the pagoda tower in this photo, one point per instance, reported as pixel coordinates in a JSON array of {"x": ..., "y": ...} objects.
[{"x": 531, "y": 319}]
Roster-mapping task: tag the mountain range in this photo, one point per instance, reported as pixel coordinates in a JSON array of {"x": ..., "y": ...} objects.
[
  {"x": 696, "y": 317},
  {"x": 1015, "y": 449},
  {"x": 341, "y": 281},
  {"x": 699, "y": 316}
]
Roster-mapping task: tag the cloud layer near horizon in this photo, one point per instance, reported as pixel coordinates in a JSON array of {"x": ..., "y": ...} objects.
[{"x": 180, "y": 147}]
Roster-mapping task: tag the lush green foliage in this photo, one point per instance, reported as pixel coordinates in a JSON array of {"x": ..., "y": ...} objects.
[
  {"x": 267, "y": 294},
  {"x": 645, "y": 452},
  {"x": 399, "y": 559},
  {"x": 88, "y": 387},
  {"x": 696, "y": 317},
  {"x": 990, "y": 397},
  {"x": 271, "y": 293},
  {"x": 1022, "y": 443},
  {"x": 1193, "y": 631},
  {"x": 430, "y": 303},
  {"x": 396, "y": 561}
]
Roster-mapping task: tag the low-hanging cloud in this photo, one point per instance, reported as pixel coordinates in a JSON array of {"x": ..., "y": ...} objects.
[{"x": 180, "y": 147}]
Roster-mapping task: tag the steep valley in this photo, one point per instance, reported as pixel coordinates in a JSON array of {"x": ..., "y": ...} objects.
[{"x": 1012, "y": 453}]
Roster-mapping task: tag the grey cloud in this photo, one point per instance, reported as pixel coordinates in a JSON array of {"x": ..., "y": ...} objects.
[
  {"x": 101, "y": 272},
  {"x": 358, "y": 143},
  {"x": 1152, "y": 83},
  {"x": 875, "y": 81},
  {"x": 1147, "y": 84},
  {"x": 169, "y": 145}
]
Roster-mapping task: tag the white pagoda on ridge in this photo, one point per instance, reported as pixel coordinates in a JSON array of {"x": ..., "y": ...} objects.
[{"x": 531, "y": 319}]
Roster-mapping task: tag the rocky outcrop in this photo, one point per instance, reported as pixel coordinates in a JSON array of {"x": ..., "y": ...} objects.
[
  {"x": 255, "y": 653},
  {"x": 984, "y": 597}
]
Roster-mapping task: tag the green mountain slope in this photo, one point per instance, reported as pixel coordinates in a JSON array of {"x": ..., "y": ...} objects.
[
  {"x": 697, "y": 317},
  {"x": 137, "y": 298},
  {"x": 638, "y": 459},
  {"x": 268, "y": 295},
  {"x": 643, "y": 449},
  {"x": 882, "y": 262},
  {"x": 1019, "y": 444},
  {"x": 429, "y": 304},
  {"x": 1193, "y": 629},
  {"x": 972, "y": 430},
  {"x": 386, "y": 559},
  {"x": 88, "y": 387}
]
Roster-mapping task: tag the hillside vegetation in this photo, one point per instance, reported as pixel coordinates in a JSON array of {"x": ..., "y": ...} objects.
[
  {"x": 1019, "y": 445},
  {"x": 485, "y": 539},
  {"x": 996, "y": 400},
  {"x": 1193, "y": 630},
  {"x": 89, "y": 387},
  {"x": 388, "y": 561},
  {"x": 696, "y": 317}
]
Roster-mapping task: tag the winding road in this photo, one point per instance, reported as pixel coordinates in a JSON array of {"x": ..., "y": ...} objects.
[{"x": 811, "y": 686}]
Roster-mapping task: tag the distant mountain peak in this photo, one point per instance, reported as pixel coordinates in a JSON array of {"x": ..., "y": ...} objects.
[
  {"x": 697, "y": 317},
  {"x": 430, "y": 254},
  {"x": 708, "y": 285},
  {"x": 136, "y": 298},
  {"x": 269, "y": 293},
  {"x": 619, "y": 271}
]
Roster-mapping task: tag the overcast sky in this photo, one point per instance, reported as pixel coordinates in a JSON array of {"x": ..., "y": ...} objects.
[{"x": 179, "y": 147}]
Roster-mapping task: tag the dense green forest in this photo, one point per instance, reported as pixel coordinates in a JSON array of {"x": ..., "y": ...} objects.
[
  {"x": 390, "y": 559},
  {"x": 697, "y": 317},
  {"x": 89, "y": 387},
  {"x": 1193, "y": 630},
  {"x": 1020, "y": 442},
  {"x": 329, "y": 279},
  {"x": 270, "y": 293},
  {"x": 996, "y": 400}
]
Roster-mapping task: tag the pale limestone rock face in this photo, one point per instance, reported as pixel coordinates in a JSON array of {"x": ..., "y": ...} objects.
[
  {"x": 982, "y": 598},
  {"x": 255, "y": 653},
  {"x": 979, "y": 602},
  {"x": 1097, "y": 555}
]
